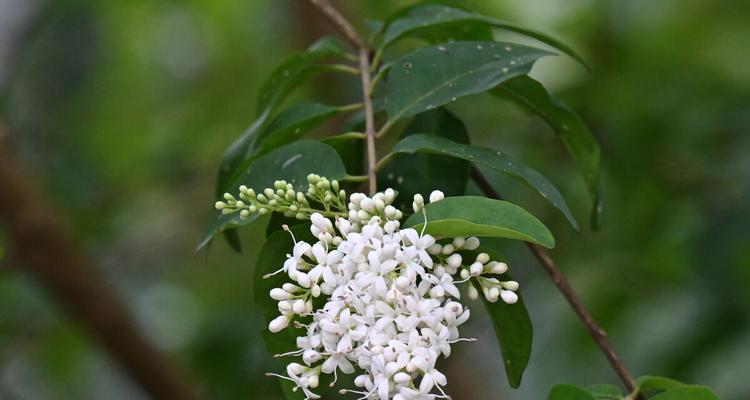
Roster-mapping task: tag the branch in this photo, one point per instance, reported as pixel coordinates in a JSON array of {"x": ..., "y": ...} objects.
[
  {"x": 346, "y": 30},
  {"x": 596, "y": 332},
  {"x": 40, "y": 246}
]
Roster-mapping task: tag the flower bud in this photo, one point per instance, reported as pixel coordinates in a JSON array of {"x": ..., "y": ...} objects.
[
  {"x": 448, "y": 249},
  {"x": 509, "y": 297},
  {"x": 402, "y": 378},
  {"x": 279, "y": 294},
  {"x": 465, "y": 274},
  {"x": 472, "y": 243},
  {"x": 278, "y": 324},
  {"x": 436, "y": 195},
  {"x": 454, "y": 261},
  {"x": 472, "y": 292},
  {"x": 476, "y": 269},
  {"x": 509, "y": 285},
  {"x": 493, "y": 293},
  {"x": 220, "y": 205},
  {"x": 483, "y": 258}
]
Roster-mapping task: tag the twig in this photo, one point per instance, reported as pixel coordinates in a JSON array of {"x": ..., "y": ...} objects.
[
  {"x": 596, "y": 332},
  {"x": 41, "y": 246},
  {"x": 347, "y": 31}
]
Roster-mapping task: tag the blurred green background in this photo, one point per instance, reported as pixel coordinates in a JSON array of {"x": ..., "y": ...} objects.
[{"x": 124, "y": 108}]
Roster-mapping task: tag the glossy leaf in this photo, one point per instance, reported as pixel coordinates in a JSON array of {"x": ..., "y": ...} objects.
[
  {"x": 687, "y": 392},
  {"x": 430, "y": 77},
  {"x": 285, "y": 78},
  {"x": 291, "y": 124},
  {"x": 490, "y": 158},
  {"x": 480, "y": 216},
  {"x": 513, "y": 329},
  {"x": 569, "y": 392},
  {"x": 647, "y": 383},
  {"x": 422, "y": 173},
  {"x": 423, "y": 19},
  {"x": 295, "y": 70},
  {"x": 604, "y": 392},
  {"x": 577, "y": 137},
  {"x": 292, "y": 163}
]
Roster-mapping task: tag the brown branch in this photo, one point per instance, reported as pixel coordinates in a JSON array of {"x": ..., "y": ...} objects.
[
  {"x": 41, "y": 246},
  {"x": 347, "y": 31},
  {"x": 596, "y": 332}
]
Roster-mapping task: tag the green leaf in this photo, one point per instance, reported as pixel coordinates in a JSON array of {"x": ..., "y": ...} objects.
[
  {"x": 513, "y": 329},
  {"x": 577, "y": 137},
  {"x": 292, "y": 163},
  {"x": 646, "y": 383},
  {"x": 234, "y": 156},
  {"x": 295, "y": 70},
  {"x": 604, "y": 392},
  {"x": 687, "y": 392},
  {"x": 285, "y": 78},
  {"x": 430, "y": 77},
  {"x": 422, "y": 173},
  {"x": 291, "y": 124},
  {"x": 423, "y": 19},
  {"x": 480, "y": 216},
  {"x": 569, "y": 392},
  {"x": 490, "y": 158}
]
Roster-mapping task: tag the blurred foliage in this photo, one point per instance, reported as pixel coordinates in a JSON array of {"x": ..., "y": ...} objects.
[{"x": 124, "y": 107}]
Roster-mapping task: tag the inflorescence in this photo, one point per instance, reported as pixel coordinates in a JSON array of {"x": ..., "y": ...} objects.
[{"x": 390, "y": 296}]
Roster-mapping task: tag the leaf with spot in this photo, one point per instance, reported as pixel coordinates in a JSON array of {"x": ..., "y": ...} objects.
[
  {"x": 582, "y": 145},
  {"x": 293, "y": 163},
  {"x": 482, "y": 156},
  {"x": 480, "y": 216},
  {"x": 423, "y": 173},
  {"x": 430, "y": 77},
  {"x": 430, "y": 20}
]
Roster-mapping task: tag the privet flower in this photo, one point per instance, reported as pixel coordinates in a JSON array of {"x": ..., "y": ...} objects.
[{"x": 391, "y": 301}]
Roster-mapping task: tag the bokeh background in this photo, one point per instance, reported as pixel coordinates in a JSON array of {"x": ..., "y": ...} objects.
[{"x": 123, "y": 108}]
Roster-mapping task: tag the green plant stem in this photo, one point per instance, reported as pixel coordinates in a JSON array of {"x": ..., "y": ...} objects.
[{"x": 344, "y": 68}]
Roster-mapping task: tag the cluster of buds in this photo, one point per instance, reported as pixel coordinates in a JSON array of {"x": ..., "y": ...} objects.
[
  {"x": 362, "y": 208},
  {"x": 372, "y": 297},
  {"x": 282, "y": 198}
]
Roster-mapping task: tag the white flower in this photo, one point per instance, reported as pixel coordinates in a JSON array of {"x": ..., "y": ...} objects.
[{"x": 389, "y": 296}]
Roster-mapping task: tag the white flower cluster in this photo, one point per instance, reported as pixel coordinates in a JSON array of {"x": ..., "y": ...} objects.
[{"x": 390, "y": 298}]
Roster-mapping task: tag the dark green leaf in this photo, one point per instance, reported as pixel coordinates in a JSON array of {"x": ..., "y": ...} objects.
[
  {"x": 687, "y": 392},
  {"x": 647, "y": 383},
  {"x": 604, "y": 392},
  {"x": 351, "y": 149},
  {"x": 285, "y": 78},
  {"x": 513, "y": 329},
  {"x": 489, "y": 158},
  {"x": 577, "y": 137},
  {"x": 480, "y": 216},
  {"x": 422, "y": 173},
  {"x": 234, "y": 156},
  {"x": 296, "y": 70},
  {"x": 430, "y": 77},
  {"x": 291, "y": 124},
  {"x": 569, "y": 392},
  {"x": 430, "y": 19},
  {"x": 292, "y": 163}
]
